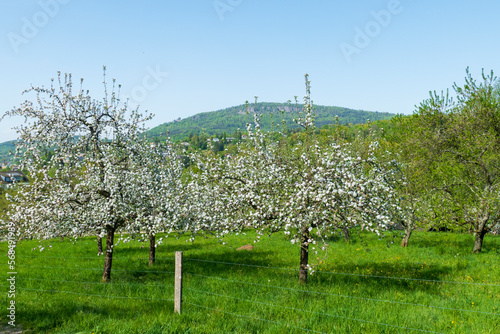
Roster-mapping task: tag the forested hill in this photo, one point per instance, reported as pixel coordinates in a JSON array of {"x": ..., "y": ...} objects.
[
  {"x": 6, "y": 148},
  {"x": 230, "y": 119}
]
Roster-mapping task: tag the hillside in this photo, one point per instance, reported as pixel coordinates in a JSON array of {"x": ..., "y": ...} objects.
[
  {"x": 230, "y": 119},
  {"x": 5, "y": 148}
]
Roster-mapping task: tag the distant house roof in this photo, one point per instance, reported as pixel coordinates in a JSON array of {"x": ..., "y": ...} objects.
[{"x": 7, "y": 177}]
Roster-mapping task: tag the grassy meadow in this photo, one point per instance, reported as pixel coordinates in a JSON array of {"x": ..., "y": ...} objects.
[{"x": 257, "y": 291}]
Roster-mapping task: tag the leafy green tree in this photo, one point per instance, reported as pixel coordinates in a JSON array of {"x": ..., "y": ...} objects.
[
  {"x": 409, "y": 181},
  {"x": 458, "y": 150}
]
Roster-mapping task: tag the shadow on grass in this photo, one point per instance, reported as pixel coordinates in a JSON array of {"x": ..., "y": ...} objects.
[
  {"x": 162, "y": 251},
  {"x": 453, "y": 243},
  {"x": 421, "y": 279},
  {"x": 138, "y": 270},
  {"x": 357, "y": 237},
  {"x": 51, "y": 317},
  {"x": 251, "y": 266},
  {"x": 251, "y": 269},
  {"x": 435, "y": 239}
]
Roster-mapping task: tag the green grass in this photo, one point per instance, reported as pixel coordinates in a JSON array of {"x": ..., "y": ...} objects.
[{"x": 218, "y": 299}]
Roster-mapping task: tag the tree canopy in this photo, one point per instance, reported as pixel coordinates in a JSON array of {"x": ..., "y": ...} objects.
[{"x": 456, "y": 146}]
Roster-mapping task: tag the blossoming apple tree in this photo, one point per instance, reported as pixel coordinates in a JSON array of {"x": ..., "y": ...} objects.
[
  {"x": 309, "y": 191},
  {"x": 159, "y": 201},
  {"x": 100, "y": 175}
]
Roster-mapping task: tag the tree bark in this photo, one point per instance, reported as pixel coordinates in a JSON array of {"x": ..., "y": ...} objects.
[
  {"x": 478, "y": 244},
  {"x": 99, "y": 245},
  {"x": 406, "y": 238},
  {"x": 347, "y": 237},
  {"x": 108, "y": 257},
  {"x": 152, "y": 249},
  {"x": 480, "y": 230},
  {"x": 408, "y": 225},
  {"x": 304, "y": 255}
]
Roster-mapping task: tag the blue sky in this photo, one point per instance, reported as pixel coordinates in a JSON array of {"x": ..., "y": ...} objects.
[{"x": 179, "y": 58}]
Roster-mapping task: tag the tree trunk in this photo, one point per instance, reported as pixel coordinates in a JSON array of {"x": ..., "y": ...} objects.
[
  {"x": 99, "y": 245},
  {"x": 345, "y": 230},
  {"x": 408, "y": 224},
  {"x": 152, "y": 249},
  {"x": 406, "y": 237},
  {"x": 108, "y": 257},
  {"x": 480, "y": 229},
  {"x": 304, "y": 255},
  {"x": 478, "y": 244}
]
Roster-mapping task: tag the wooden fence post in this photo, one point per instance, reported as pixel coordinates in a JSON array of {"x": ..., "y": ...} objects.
[{"x": 178, "y": 283}]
